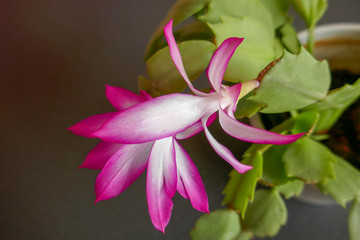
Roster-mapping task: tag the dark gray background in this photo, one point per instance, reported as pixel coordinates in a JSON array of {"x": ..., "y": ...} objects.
[{"x": 56, "y": 57}]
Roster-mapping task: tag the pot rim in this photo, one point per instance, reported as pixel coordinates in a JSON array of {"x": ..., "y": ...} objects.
[{"x": 332, "y": 30}]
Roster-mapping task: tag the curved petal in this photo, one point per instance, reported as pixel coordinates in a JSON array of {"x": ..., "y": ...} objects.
[
  {"x": 99, "y": 155},
  {"x": 220, "y": 61},
  {"x": 122, "y": 98},
  {"x": 176, "y": 57},
  {"x": 223, "y": 152},
  {"x": 247, "y": 133},
  {"x": 189, "y": 183},
  {"x": 159, "y": 202},
  {"x": 89, "y": 125},
  {"x": 234, "y": 93},
  {"x": 122, "y": 169},
  {"x": 195, "y": 129},
  {"x": 164, "y": 152},
  {"x": 157, "y": 118}
]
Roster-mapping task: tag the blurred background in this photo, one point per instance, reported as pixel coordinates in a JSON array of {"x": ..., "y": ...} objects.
[{"x": 55, "y": 59}]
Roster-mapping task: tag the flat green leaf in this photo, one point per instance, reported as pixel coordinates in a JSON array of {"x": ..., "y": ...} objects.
[
  {"x": 294, "y": 82},
  {"x": 305, "y": 122},
  {"x": 243, "y": 236},
  {"x": 247, "y": 108},
  {"x": 310, "y": 10},
  {"x": 288, "y": 36},
  {"x": 254, "y": 53},
  {"x": 336, "y": 102},
  {"x": 181, "y": 10},
  {"x": 278, "y": 10},
  {"x": 273, "y": 166},
  {"x": 346, "y": 184},
  {"x": 238, "y": 9},
  {"x": 354, "y": 220},
  {"x": 194, "y": 31},
  {"x": 145, "y": 85},
  {"x": 163, "y": 74},
  {"x": 291, "y": 189},
  {"x": 221, "y": 224},
  {"x": 266, "y": 214},
  {"x": 309, "y": 160},
  {"x": 240, "y": 188},
  {"x": 278, "y": 48}
]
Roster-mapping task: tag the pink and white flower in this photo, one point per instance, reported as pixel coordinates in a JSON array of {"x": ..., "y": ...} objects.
[
  {"x": 170, "y": 169},
  {"x": 172, "y": 114},
  {"x": 144, "y": 132}
]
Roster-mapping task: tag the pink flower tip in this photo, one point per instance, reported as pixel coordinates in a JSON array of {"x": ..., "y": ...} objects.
[
  {"x": 81, "y": 166},
  {"x": 206, "y": 210},
  {"x": 169, "y": 24},
  {"x": 72, "y": 129},
  {"x": 296, "y": 137},
  {"x": 245, "y": 168},
  {"x": 236, "y": 40}
]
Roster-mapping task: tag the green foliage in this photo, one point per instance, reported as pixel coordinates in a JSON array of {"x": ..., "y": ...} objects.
[
  {"x": 274, "y": 172},
  {"x": 288, "y": 36},
  {"x": 254, "y": 53},
  {"x": 182, "y": 10},
  {"x": 310, "y": 10},
  {"x": 309, "y": 160},
  {"x": 238, "y": 9},
  {"x": 145, "y": 85},
  {"x": 273, "y": 167},
  {"x": 336, "y": 102},
  {"x": 221, "y": 224},
  {"x": 278, "y": 10},
  {"x": 241, "y": 187},
  {"x": 291, "y": 189},
  {"x": 163, "y": 74},
  {"x": 247, "y": 108},
  {"x": 294, "y": 82},
  {"x": 194, "y": 31},
  {"x": 266, "y": 214},
  {"x": 305, "y": 122},
  {"x": 346, "y": 184},
  {"x": 243, "y": 236},
  {"x": 354, "y": 220}
]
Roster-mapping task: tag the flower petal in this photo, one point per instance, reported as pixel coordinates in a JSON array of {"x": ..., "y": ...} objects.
[
  {"x": 122, "y": 169},
  {"x": 189, "y": 183},
  {"x": 164, "y": 152},
  {"x": 223, "y": 152},
  {"x": 122, "y": 98},
  {"x": 176, "y": 57},
  {"x": 98, "y": 156},
  {"x": 195, "y": 129},
  {"x": 89, "y": 125},
  {"x": 157, "y": 118},
  {"x": 159, "y": 202},
  {"x": 248, "y": 133},
  {"x": 234, "y": 93},
  {"x": 220, "y": 61}
]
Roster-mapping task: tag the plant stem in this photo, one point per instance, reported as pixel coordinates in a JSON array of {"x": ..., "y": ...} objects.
[{"x": 310, "y": 43}]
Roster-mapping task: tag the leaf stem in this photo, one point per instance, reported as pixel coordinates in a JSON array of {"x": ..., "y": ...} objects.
[{"x": 311, "y": 43}]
